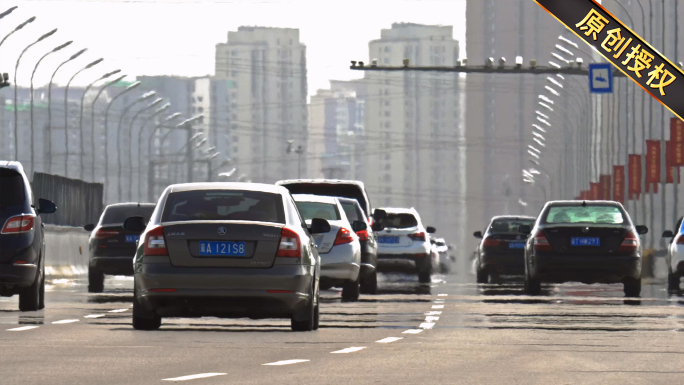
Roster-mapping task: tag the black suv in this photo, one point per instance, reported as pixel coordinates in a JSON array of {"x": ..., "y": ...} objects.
[
  {"x": 111, "y": 247},
  {"x": 22, "y": 247}
]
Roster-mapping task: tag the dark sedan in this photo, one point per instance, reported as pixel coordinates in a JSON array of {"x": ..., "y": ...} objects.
[
  {"x": 502, "y": 249},
  {"x": 588, "y": 242},
  {"x": 369, "y": 245}
]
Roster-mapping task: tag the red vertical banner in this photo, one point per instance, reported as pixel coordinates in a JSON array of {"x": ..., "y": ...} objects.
[
  {"x": 634, "y": 169},
  {"x": 584, "y": 195},
  {"x": 677, "y": 139},
  {"x": 619, "y": 184},
  {"x": 652, "y": 165},
  {"x": 594, "y": 190},
  {"x": 605, "y": 187},
  {"x": 670, "y": 157}
]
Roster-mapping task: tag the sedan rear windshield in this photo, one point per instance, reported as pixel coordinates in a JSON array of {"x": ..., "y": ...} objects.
[
  {"x": 508, "y": 226},
  {"x": 311, "y": 210},
  {"x": 352, "y": 212},
  {"x": 606, "y": 215},
  {"x": 119, "y": 214},
  {"x": 226, "y": 205},
  {"x": 11, "y": 189},
  {"x": 400, "y": 221}
]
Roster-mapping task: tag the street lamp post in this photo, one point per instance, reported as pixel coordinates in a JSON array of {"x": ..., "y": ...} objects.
[
  {"x": 66, "y": 115},
  {"x": 130, "y": 147},
  {"x": 118, "y": 138},
  {"x": 7, "y": 12},
  {"x": 52, "y": 78},
  {"x": 33, "y": 159},
  {"x": 299, "y": 151},
  {"x": 92, "y": 131},
  {"x": 140, "y": 146},
  {"x": 111, "y": 102},
  {"x": 20, "y": 26},
  {"x": 92, "y": 115},
  {"x": 16, "y": 110}
]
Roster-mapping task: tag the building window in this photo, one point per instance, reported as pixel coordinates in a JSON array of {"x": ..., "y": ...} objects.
[
  {"x": 199, "y": 98},
  {"x": 387, "y": 113},
  {"x": 388, "y": 49},
  {"x": 200, "y": 109}
]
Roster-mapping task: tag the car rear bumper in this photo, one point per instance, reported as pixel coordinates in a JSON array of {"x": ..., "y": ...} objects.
[
  {"x": 405, "y": 262},
  {"x": 12, "y": 276},
  {"x": 587, "y": 269},
  {"x": 503, "y": 264},
  {"x": 278, "y": 292},
  {"x": 113, "y": 265}
]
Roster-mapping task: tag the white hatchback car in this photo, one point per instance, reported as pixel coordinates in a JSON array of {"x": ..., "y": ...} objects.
[
  {"x": 675, "y": 256},
  {"x": 404, "y": 244}
]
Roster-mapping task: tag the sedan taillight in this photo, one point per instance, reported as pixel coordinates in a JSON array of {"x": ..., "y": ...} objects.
[
  {"x": 630, "y": 242},
  {"x": 19, "y": 224},
  {"x": 420, "y": 236},
  {"x": 155, "y": 243},
  {"x": 104, "y": 234},
  {"x": 343, "y": 236},
  {"x": 290, "y": 244},
  {"x": 363, "y": 235},
  {"x": 490, "y": 242},
  {"x": 540, "y": 242},
  {"x": 680, "y": 240}
]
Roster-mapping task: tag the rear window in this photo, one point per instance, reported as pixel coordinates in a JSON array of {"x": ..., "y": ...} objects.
[
  {"x": 606, "y": 215},
  {"x": 311, "y": 210},
  {"x": 400, "y": 221},
  {"x": 12, "y": 189},
  {"x": 351, "y": 211},
  {"x": 226, "y": 205},
  {"x": 508, "y": 226},
  {"x": 350, "y": 191},
  {"x": 119, "y": 214}
]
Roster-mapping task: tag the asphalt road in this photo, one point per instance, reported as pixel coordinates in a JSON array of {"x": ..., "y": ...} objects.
[{"x": 449, "y": 332}]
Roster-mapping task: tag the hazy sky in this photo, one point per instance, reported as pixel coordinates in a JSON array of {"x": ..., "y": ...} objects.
[{"x": 178, "y": 37}]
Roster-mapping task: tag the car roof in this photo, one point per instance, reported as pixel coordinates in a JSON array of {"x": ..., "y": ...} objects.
[
  {"x": 513, "y": 217},
  {"x": 349, "y": 200},
  {"x": 12, "y": 164},
  {"x": 399, "y": 210},
  {"x": 199, "y": 186},
  {"x": 320, "y": 181},
  {"x": 571, "y": 203},
  {"x": 314, "y": 198},
  {"x": 131, "y": 204}
]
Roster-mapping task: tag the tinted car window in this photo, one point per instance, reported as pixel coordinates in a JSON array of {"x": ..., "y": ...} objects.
[
  {"x": 351, "y": 211},
  {"x": 311, "y": 210},
  {"x": 508, "y": 226},
  {"x": 400, "y": 221},
  {"x": 12, "y": 192},
  {"x": 227, "y": 205},
  {"x": 118, "y": 214},
  {"x": 607, "y": 215},
  {"x": 351, "y": 191}
]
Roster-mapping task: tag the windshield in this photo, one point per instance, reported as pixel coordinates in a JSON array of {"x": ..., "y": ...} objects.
[
  {"x": 607, "y": 215},
  {"x": 400, "y": 221},
  {"x": 508, "y": 226},
  {"x": 119, "y": 214},
  {"x": 311, "y": 210},
  {"x": 225, "y": 205}
]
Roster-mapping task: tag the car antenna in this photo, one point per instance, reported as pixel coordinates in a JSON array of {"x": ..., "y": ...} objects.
[{"x": 584, "y": 203}]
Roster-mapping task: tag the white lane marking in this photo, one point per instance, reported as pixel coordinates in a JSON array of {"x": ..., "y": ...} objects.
[
  {"x": 286, "y": 362},
  {"x": 442, "y": 295},
  {"x": 21, "y": 329},
  {"x": 433, "y": 313},
  {"x": 94, "y": 316},
  {"x": 427, "y": 325},
  {"x": 431, "y": 319},
  {"x": 438, "y": 306},
  {"x": 413, "y": 331},
  {"x": 349, "y": 350},
  {"x": 194, "y": 376},
  {"x": 388, "y": 340},
  {"x": 65, "y": 321},
  {"x": 117, "y": 311},
  {"x": 438, "y": 301}
]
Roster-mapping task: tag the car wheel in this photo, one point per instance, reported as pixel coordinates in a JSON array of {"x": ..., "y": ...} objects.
[
  {"x": 308, "y": 323},
  {"x": 41, "y": 294},
  {"x": 632, "y": 287},
  {"x": 481, "y": 276},
  {"x": 29, "y": 298},
  {"x": 143, "y": 319},
  {"x": 672, "y": 282},
  {"x": 317, "y": 313},
  {"x": 424, "y": 277},
  {"x": 351, "y": 291},
  {"x": 95, "y": 280},
  {"x": 370, "y": 284},
  {"x": 532, "y": 286}
]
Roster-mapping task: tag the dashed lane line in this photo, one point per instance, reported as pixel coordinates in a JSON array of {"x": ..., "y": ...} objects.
[
  {"x": 433, "y": 313},
  {"x": 194, "y": 376},
  {"x": 22, "y": 328},
  {"x": 286, "y": 362},
  {"x": 413, "y": 331},
  {"x": 94, "y": 316},
  {"x": 117, "y": 311},
  {"x": 427, "y": 325},
  {"x": 438, "y": 306},
  {"x": 442, "y": 295},
  {"x": 65, "y": 321},
  {"x": 389, "y": 340},
  {"x": 431, "y": 319},
  {"x": 349, "y": 350}
]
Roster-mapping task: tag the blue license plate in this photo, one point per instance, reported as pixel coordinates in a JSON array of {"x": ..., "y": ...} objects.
[
  {"x": 132, "y": 238},
  {"x": 585, "y": 241},
  {"x": 222, "y": 249},
  {"x": 388, "y": 240},
  {"x": 516, "y": 245}
]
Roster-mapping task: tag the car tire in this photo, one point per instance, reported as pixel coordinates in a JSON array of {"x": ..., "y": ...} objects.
[
  {"x": 29, "y": 298},
  {"x": 673, "y": 282},
  {"x": 41, "y": 294},
  {"x": 370, "y": 284},
  {"x": 144, "y": 319},
  {"x": 532, "y": 286},
  {"x": 481, "y": 276},
  {"x": 424, "y": 277},
  {"x": 351, "y": 291},
  {"x": 632, "y": 287},
  {"x": 443, "y": 268},
  {"x": 95, "y": 280},
  {"x": 317, "y": 313},
  {"x": 309, "y": 323}
]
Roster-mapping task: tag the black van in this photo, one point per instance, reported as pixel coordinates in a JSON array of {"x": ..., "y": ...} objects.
[{"x": 22, "y": 245}]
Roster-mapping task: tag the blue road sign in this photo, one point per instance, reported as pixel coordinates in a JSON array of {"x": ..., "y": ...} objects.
[{"x": 601, "y": 78}]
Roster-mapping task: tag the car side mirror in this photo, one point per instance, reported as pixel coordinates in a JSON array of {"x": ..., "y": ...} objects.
[
  {"x": 319, "y": 226},
  {"x": 135, "y": 224},
  {"x": 641, "y": 230},
  {"x": 379, "y": 215},
  {"x": 46, "y": 206},
  {"x": 477, "y": 234},
  {"x": 431, "y": 230},
  {"x": 668, "y": 234},
  {"x": 359, "y": 226},
  {"x": 89, "y": 227},
  {"x": 525, "y": 229}
]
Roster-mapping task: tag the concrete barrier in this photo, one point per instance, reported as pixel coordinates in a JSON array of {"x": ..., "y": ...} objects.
[{"x": 66, "y": 251}]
